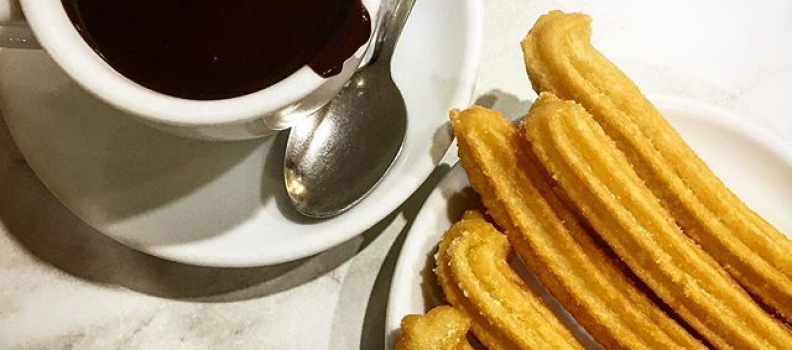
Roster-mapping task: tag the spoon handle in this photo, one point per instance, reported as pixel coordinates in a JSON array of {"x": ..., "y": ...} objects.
[
  {"x": 391, "y": 20},
  {"x": 377, "y": 35}
]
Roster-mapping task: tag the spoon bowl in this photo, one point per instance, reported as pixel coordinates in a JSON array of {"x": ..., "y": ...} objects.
[
  {"x": 337, "y": 156},
  {"x": 340, "y": 154}
]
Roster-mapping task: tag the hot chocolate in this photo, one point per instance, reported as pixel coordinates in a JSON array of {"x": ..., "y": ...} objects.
[{"x": 216, "y": 49}]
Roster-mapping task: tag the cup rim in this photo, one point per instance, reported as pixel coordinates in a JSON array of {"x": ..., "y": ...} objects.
[{"x": 58, "y": 36}]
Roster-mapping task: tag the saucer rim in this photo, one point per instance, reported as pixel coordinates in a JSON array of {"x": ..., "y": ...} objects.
[{"x": 191, "y": 253}]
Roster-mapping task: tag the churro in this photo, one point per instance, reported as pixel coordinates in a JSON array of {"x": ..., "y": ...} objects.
[
  {"x": 598, "y": 178},
  {"x": 560, "y": 58},
  {"x": 442, "y": 328},
  {"x": 552, "y": 243},
  {"x": 476, "y": 278}
]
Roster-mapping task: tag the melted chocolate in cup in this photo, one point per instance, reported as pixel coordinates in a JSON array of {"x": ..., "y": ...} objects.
[{"x": 216, "y": 49}]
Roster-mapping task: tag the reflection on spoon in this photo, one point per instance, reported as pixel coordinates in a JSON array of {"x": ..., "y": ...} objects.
[{"x": 337, "y": 156}]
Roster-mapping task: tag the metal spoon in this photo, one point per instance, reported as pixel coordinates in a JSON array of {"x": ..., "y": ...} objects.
[{"x": 337, "y": 156}]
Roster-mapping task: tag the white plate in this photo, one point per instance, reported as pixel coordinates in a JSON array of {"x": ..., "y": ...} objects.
[
  {"x": 223, "y": 204},
  {"x": 756, "y": 165}
]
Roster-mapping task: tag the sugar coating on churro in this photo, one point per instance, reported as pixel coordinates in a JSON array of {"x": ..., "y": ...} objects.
[
  {"x": 442, "y": 328},
  {"x": 476, "y": 278},
  {"x": 552, "y": 243},
  {"x": 591, "y": 178},
  {"x": 560, "y": 58},
  {"x": 605, "y": 188}
]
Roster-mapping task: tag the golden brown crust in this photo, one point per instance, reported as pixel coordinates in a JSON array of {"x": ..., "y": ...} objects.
[
  {"x": 552, "y": 243},
  {"x": 607, "y": 191},
  {"x": 476, "y": 278},
  {"x": 560, "y": 59},
  {"x": 442, "y": 328}
]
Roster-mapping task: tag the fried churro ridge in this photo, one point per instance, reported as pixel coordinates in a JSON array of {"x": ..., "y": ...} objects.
[
  {"x": 476, "y": 278},
  {"x": 552, "y": 243},
  {"x": 608, "y": 192},
  {"x": 560, "y": 58}
]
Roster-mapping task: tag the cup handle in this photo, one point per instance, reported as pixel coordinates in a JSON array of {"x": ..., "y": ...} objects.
[{"x": 14, "y": 31}]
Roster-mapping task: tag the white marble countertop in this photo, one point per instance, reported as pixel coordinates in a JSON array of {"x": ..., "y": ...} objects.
[{"x": 65, "y": 286}]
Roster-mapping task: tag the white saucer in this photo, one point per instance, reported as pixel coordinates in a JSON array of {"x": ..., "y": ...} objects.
[
  {"x": 755, "y": 164},
  {"x": 223, "y": 204}
]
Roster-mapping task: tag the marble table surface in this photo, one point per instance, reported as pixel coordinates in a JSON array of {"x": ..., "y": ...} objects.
[{"x": 64, "y": 285}]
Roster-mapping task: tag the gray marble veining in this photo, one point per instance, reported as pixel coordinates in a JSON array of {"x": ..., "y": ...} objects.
[{"x": 65, "y": 286}]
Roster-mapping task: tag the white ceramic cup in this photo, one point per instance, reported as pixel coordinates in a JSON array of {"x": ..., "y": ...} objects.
[{"x": 253, "y": 115}]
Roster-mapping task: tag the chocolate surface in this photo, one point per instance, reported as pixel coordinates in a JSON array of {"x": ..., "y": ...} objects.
[{"x": 214, "y": 49}]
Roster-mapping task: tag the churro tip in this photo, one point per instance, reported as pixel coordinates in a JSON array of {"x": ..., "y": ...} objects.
[{"x": 443, "y": 327}]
